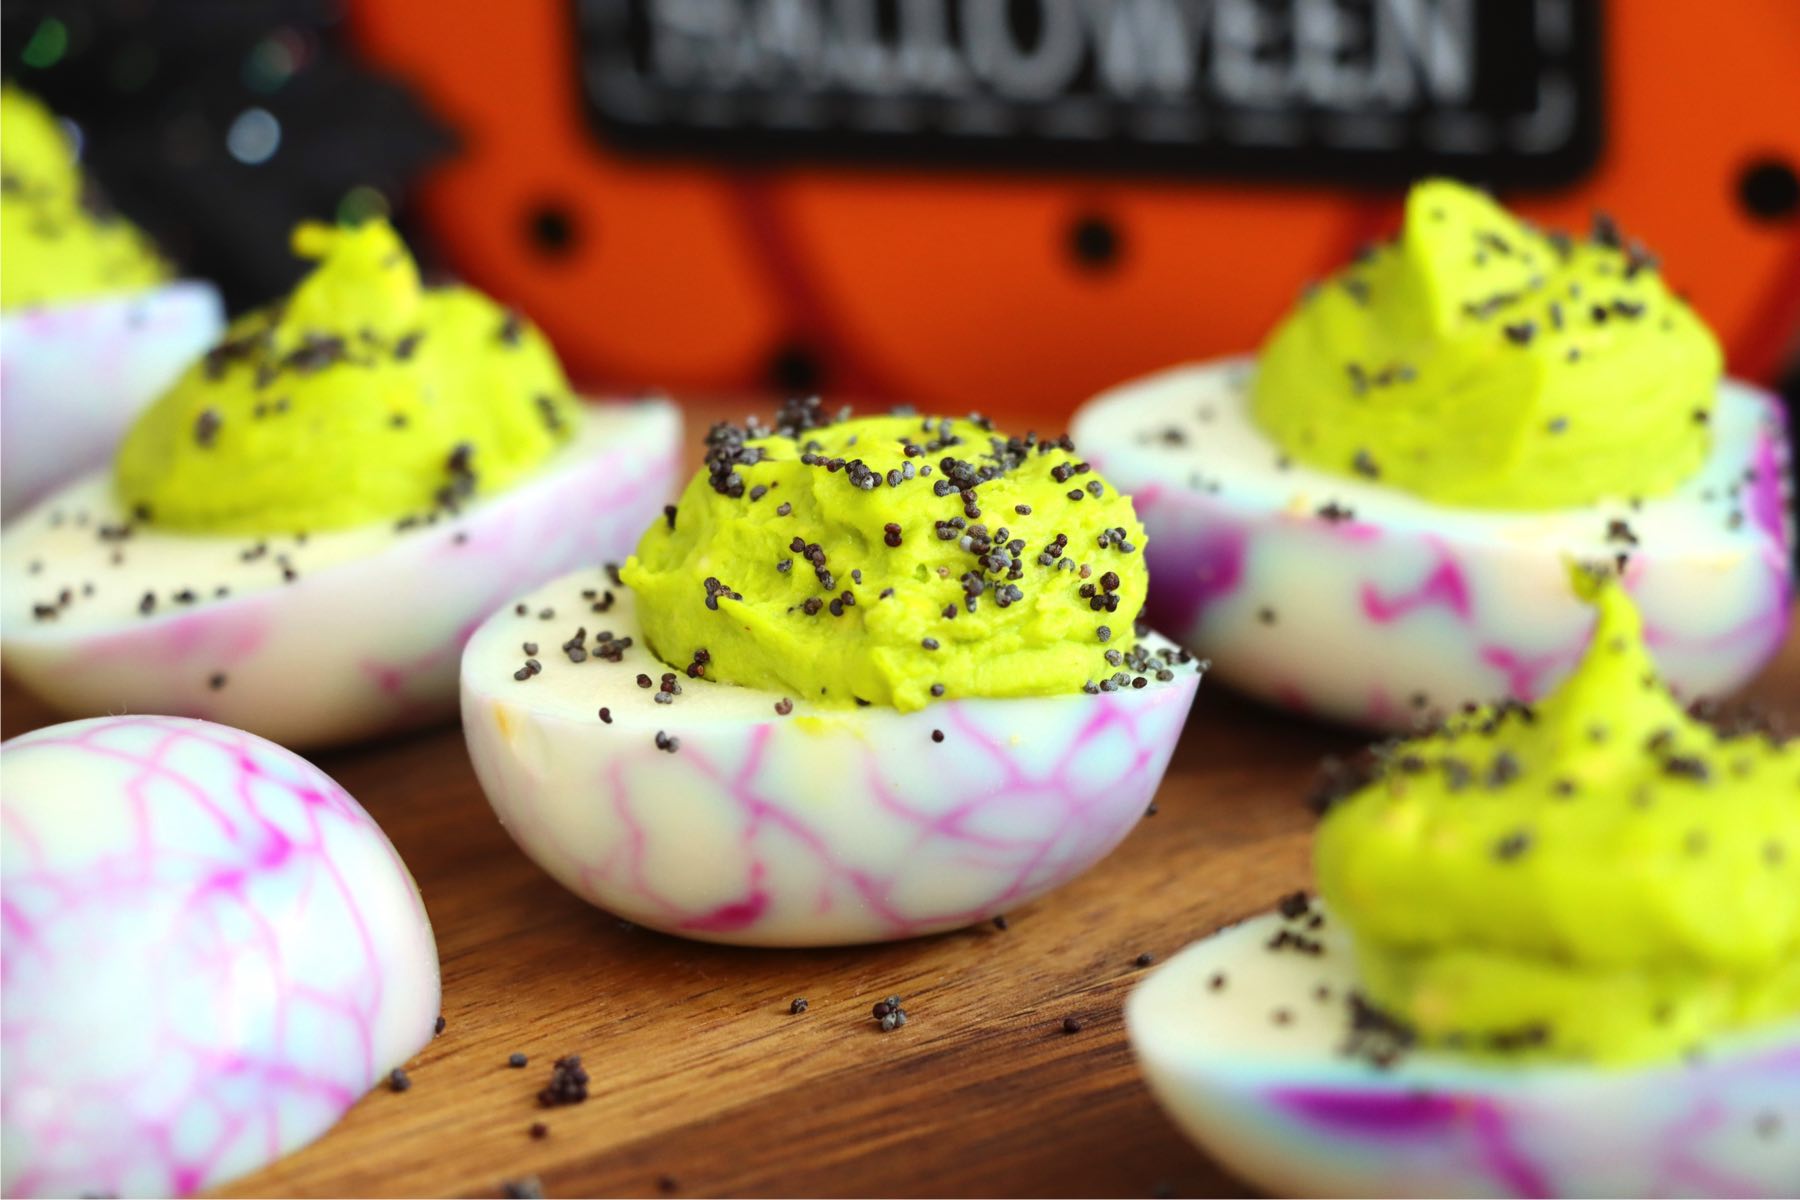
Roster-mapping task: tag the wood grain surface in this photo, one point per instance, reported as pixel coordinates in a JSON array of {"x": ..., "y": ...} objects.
[{"x": 704, "y": 1083}]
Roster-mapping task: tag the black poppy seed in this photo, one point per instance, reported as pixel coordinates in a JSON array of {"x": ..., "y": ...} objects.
[
  {"x": 784, "y": 706},
  {"x": 399, "y": 1080},
  {"x": 798, "y": 1006},
  {"x": 516, "y": 1060},
  {"x": 666, "y": 743},
  {"x": 1071, "y": 1024},
  {"x": 1686, "y": 766},
  {"x": 1145, "y": 959},
  {"x": 1512, "y": 845},
  {"x": 1294, "y": 905},
  {"x": 1605, "y": 230},
  {"x": 216, "y": 682},
  {"x": 1335, "y": 512},
  {"x": 937, "y": 689},
  {"x": 929, "y": 643},
  {"x": 568, "y": 1083},
  {"x": 644, "y": 681}
]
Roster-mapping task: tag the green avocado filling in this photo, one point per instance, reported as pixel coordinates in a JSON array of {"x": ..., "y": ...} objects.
[
  {"x": 1602, "y": 877},
  {"x": 894, "y": 560},
  {"x": 60, "y": 246},
  {"x": 362, "y": 397},
  {"x": 1477, "y": 361}
]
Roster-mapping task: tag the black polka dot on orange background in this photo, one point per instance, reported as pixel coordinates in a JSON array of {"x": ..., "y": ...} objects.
[
  {"x": 551, "y": 230},
  {"x": 1768, "y": 190},
  {"x": 794, "y": 368},
  {"x": 1095, "y": 242}
]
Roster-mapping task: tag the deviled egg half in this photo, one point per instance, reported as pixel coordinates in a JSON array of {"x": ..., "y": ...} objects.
[
  {"x": 1557, "y": 954},
  {"x": 298, "y": 537},
  {"x": 870, "y": 678},
  {"x": 211, "y": 952},
  {"x": 1368, "y": 521},
  {"x": 92, "y": 327}
]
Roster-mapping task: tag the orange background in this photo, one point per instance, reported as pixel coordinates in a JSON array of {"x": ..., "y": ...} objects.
[{"x": 957, "y": 289}]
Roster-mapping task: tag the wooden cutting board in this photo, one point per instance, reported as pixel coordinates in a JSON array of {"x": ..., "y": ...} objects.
[{"x": 704, "y": 1083}]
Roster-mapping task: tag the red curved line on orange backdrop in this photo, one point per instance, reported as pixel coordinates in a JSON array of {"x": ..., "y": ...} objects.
[
  {"x": 1759, "y": 348},
  {"x": 846, "y": 372}
]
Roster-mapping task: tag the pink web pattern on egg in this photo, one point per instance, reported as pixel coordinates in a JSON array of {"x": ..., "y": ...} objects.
[
  {"x": 993, "y": 829},
  {"x": 372, "y": 645},
  {"x": 200, "y": 977},
  {"x": 1422, "y": 613},
  {"x": 1685, "y": 1129}
]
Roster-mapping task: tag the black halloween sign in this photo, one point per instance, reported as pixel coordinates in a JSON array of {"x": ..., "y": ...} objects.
[{"x": 1507, "y": 91}]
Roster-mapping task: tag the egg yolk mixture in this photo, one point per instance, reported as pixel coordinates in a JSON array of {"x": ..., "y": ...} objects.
[
  {"x": 59, "y": 244},
  {"x": 1479, "y": 362},
  {"x": 361, "y": 397},
  {"x": 895, "y": 560},
  {"x": 1601, "y": 877}
]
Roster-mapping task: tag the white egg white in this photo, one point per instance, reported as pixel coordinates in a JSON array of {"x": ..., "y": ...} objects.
[
  {"x": 74, "y": 375},
  {"x": 309, "y": 638},
  {"x": 211, "y": 952},
  {"x": 1349, "y": 599},
  {"x": 1256, "y": 1052},
  {"x": 738, "y": 815}
]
